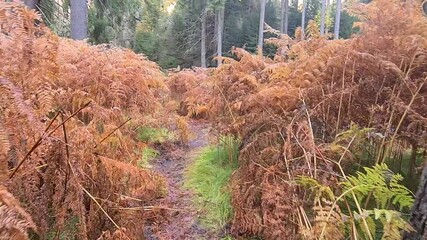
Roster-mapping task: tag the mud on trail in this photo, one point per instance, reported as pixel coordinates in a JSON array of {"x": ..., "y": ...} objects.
[{"x": 178, "y": 217}]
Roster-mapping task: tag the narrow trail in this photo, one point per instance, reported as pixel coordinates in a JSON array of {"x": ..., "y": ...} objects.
[{"x": 181, "y": 220}]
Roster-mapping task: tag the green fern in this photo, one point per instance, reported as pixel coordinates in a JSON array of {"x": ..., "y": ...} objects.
[
  {"x": 355, "y": 133},
  {"x": 393, "y": 224},
  {"x": 382, "y": 184},
  {"x": 319, "y": 190},
  {"x": 378, "y": 184},
  {"x": 358, "y": 220}
]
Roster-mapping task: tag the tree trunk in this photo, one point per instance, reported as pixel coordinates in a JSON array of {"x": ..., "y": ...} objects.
[
  {"x": 203, "y": 47},
  {"x": 304, "y": 9},
  {"x": 220, "y": 13},
  {"x": 284, "y": 17},
  {"x": 79, "y": 19},
  {"x": 322, "y": 18},
  {"x": 419, "y": 211},
  {"x": 337, "y": 20},
  {"x": 31, "y": 4},
  {"x": 295, "y": 3},
  {"x": 261, "y": 27},
  {"x": 215, "y": 36}
]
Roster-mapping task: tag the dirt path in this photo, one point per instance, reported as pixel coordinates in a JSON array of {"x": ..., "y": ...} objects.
[{"x": 181, "y": 220}]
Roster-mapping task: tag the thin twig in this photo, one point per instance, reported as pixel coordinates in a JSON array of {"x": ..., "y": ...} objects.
[
  {"x": 65, "y": 136},
  {"x": 227, "y": 103},
  {"x": 48, "y": 135},
  {"x": 121, "y": 125},
  {"x": 414, "y": 96},
  {"x": 342, "y": 95},
  {"x": 100, "y": 207},
  {"x": 69, "y": 117},
  {"x": 38, "y": 142},
  {"x": 149, "y": 208},
  {"x": 311, "y": 135}
]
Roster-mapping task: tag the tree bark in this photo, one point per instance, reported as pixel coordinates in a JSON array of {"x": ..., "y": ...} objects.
[
  {"x": 203, "y": 47},
  {"x": 284, "y": 16},
  {"x": 304, "y": 9},
  {"x": 261, "y": 27},
  {"x": 337, "y": 20},
  {"x": 79, "y": 19},
  {"x": 322, "y": 18},
  {"x": 220, "y": 13},
  {"x": 419, "y": 211}
]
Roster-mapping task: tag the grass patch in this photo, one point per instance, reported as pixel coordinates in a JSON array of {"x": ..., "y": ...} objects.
[
  {"x": 70, "y": 230},
  {"x": 154, "y": 135},
  {"x": 147, "y": 155},
  {"x": 208, "y": 177}
]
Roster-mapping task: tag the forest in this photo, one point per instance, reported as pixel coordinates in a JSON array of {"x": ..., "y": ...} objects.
[{"x": 213, "y": 119}]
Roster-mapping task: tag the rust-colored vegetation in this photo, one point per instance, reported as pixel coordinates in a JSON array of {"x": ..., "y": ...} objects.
[
  {"x": 315, "y": 110},
  {"x": 69, "y": 114},
  {"x": 314, "y": 115}
]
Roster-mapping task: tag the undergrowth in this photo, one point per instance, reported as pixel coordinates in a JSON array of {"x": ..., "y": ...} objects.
[
  {"x": 147, "y": 154},
  {"x": 154, "y": 135},
  {"x": 151, "y": 135},
  {"x": 366, "y": 206},
  {"x": 208, "y": 177},
  {"x": 69, "y": 231}
]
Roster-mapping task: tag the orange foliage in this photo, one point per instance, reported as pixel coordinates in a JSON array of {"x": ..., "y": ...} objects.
[
  {"x": 71, "y": 174},
  {"x": 192, "y": 90},
  {"x": 287, "y": 111}
]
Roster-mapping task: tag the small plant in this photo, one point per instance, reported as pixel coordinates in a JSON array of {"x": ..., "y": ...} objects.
[
  {"x": 69, "y": 232},
  {"x": 367, "y": 205},
  {"x": 183, "y": 130},
  {"x": 147, "y": 155},
  {"x": 154, "y": 135}
]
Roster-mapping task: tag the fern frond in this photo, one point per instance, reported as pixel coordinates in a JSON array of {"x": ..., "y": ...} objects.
[
  {"x": 312, "y": 30},
  {"x": 14, "y": 220},
  {"x": 4, "y": 142},
  {"x": 393, "y": 224},
  {"x": 321, "y": 191},
  {"x": 17, "y": 104},
  {"x": 383, "y": 184},
  {"x": 328, "y": 221}
]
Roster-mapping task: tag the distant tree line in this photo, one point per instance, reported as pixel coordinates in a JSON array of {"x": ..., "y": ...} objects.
[{"x": 190, "y": 32}]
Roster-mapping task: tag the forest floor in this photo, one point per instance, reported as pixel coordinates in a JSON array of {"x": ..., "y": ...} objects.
[{"x": 181, "y": 215}]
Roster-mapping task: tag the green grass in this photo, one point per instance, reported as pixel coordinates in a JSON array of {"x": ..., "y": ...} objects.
[
  {"x": 147, "y": 155},
  {"x": 208, "y": 177},
  {"x": 154, "y": 135},
  {"x": 70, "y": 230}
]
